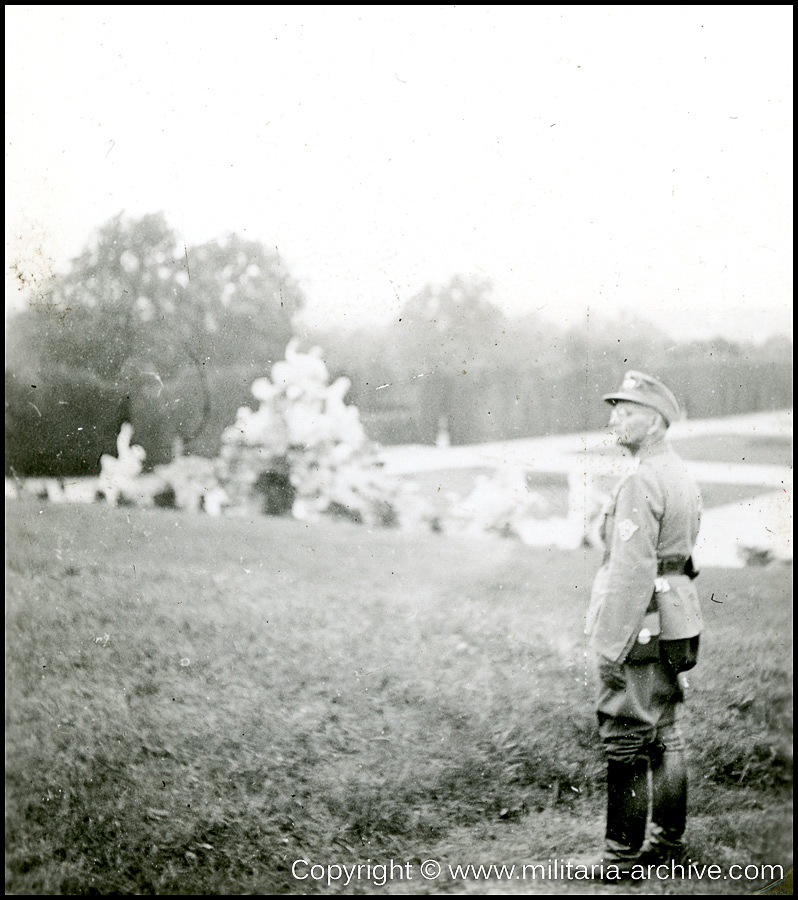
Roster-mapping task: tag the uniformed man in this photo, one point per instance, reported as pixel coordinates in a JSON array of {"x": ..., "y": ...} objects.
[{"x": 643, "y": 624}]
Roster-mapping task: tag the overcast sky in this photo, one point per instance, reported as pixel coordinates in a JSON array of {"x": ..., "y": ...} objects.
[{"x": 585, "y": 159}]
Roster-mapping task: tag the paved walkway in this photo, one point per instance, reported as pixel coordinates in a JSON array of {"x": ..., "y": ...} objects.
[
  {"x": 565, "y": 453},
  {"x": 755, "y": 529}
]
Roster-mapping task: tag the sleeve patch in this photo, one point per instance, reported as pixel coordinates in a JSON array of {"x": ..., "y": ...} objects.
[{"x": 626, "y": 529}]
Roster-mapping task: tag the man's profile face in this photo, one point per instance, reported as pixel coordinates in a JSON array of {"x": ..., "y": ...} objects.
[{"x": 630, "y": 423}]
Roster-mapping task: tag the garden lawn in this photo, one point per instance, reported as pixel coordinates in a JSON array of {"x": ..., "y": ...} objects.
[{"x": 192, "y": 704}]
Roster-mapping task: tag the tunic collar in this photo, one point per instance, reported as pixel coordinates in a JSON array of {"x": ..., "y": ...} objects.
[{"x": 657, "y": 449}]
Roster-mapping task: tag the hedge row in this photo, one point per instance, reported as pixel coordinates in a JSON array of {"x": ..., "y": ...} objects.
[{"x": 63, "y": 422}]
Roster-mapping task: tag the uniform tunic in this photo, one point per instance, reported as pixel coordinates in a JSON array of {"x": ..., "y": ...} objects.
[{"x": 653, "y": 516}]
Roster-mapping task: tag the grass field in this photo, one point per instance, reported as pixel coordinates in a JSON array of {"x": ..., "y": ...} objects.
[{"x": 192, "y": 704}]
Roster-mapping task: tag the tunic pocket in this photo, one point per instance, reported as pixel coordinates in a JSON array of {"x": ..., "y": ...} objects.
[{"x": 680, "y": 610}]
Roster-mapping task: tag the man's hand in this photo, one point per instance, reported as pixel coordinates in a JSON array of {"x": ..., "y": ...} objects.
[{"x": 611, "y": 674}]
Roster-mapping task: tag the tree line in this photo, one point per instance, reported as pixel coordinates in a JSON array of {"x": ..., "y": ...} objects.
[{"x": 170, "y": 338}]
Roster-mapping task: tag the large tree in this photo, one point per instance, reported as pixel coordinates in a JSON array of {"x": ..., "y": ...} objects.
[
  {"x": 242, "y": 301},
  {"x": 449, "y": 329},
  {"x": 135, "y": 297},
  {"x": 159, "y": 325}
]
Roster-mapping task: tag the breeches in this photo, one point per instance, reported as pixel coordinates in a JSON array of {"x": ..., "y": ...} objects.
[{"x": 641, "y": 721}]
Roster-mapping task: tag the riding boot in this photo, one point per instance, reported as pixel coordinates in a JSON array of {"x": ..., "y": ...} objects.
[
  {"x": 668, "y": 808},
  {"x": 627, "y": 808}
]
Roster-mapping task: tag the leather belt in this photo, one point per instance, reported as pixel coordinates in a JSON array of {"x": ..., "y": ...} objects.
[{"x": 676, "y": 565}]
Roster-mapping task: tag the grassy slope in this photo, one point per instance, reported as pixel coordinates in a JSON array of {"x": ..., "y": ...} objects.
[{"x": 194, "y": 703}]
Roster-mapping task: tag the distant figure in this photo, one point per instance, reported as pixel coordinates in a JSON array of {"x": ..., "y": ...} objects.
[
  {"x": 442, "y": 440},
  {"x": 643, "y": 625}
]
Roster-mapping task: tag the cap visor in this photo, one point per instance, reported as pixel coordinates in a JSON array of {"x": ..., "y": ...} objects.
[{"x": 631, "y": 398}]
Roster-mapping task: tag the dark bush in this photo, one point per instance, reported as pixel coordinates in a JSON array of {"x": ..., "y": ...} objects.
[{"x": 60, "y": 425}]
